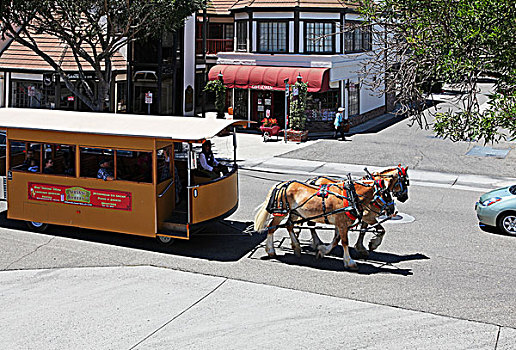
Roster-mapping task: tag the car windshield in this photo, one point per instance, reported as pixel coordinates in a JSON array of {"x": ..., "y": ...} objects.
[{"x": 512, "y": 189}]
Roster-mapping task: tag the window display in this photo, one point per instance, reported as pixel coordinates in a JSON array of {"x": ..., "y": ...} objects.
[{"x": 321, "y": 107}]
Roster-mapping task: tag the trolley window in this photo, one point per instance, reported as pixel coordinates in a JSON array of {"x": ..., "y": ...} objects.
[
  {"x": 134, "y": 166},
  {"x": 59, "y": 159},
  {"x": 164, "y": 164},
  {"x": 96, "y": 163},
  {"x": 25, "y": 156}
]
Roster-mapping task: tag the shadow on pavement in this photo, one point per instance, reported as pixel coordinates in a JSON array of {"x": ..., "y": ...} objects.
[
  {"x": 223, "y": 241},
  {"x": 493, "y": 230},
  {"x": 376, "y": 262}
]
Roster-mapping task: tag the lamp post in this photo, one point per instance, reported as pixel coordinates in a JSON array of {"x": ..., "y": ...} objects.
[{"x": 286, "y": 109}]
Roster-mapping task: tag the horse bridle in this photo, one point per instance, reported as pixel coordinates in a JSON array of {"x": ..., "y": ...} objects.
[
  {"x": 378, "y": 201},
  {"x": 403, "y": 182}
]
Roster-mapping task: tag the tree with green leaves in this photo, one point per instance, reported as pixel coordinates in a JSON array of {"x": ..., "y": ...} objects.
[
  {"x": 94, "y": 31},
  {"x": 425, "y": 44},
  {"x": 297, "y": 118}
]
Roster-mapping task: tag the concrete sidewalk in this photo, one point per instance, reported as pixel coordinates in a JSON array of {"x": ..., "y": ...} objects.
[
  {"x": 146, "y": 307},
  {"x": 309, "y": 168}
]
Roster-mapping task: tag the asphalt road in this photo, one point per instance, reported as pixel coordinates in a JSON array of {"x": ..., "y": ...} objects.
[
  {"x": 440, "y": 263},
  {"x": 418, "y": 148}
]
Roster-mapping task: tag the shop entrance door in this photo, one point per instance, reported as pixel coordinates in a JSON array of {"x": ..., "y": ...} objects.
[
  {"x": 261, "y": 105},
  {"x": 278, "y": 112}
]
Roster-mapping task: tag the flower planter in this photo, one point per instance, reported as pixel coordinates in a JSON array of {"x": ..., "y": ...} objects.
[
  {"x": 269, "y": 131},
  {"x": 297, "y": 135}
]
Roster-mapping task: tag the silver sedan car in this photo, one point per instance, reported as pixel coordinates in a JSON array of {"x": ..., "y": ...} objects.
[{"x": 498, "y": 208}]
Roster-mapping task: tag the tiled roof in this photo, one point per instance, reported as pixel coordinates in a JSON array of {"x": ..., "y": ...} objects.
[
  {"x": 294, "y": 3},
  {"x": 220, "y": 7},
  {"x": 17, "y": 56}
]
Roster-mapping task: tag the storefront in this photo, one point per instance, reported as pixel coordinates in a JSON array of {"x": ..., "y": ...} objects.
[{"x": 259, "y": 92}]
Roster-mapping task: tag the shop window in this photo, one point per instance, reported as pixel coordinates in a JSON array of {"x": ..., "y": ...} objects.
[
  {"x": 272, "y": 36},
  {"x": 164, "y": 164},
  {"x": 319, "y": 37},
  {"x": 357, "y": 37},
  {"x": 91, "y": 159},
  {"x": 241, "y": 29},
  {"x": 354, "y": 99},
  {"x": 134, "y": 166},
  {"x": 58, "y": 159},
  {"x": 322, "y": 107},
  {"x": 27, "y": 94},
  {"x": 25, "y": 156},
  {"x": 241, "y": 101}
]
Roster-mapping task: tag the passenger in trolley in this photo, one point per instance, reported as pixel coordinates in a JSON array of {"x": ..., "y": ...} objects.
[{"x": 209, "y": 166}]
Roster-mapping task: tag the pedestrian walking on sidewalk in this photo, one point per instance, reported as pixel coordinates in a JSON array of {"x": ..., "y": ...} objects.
[{"x": 341, "y": 123}]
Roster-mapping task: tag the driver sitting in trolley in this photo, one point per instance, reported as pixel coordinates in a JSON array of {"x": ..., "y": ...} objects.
[{"x": 208, "y": 165}]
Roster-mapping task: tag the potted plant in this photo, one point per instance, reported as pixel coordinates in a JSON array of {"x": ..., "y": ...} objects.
[
  {"x": 297, "y": 120},
  {"x": 269, "y": 128}
]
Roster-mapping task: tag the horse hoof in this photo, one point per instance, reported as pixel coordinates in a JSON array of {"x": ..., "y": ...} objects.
[
  {"x": 319, "y": 255},
  {"x": 351, "y": 268},
  {"x": 271, "y": 254},
  {"x": 297, "y": 252}
]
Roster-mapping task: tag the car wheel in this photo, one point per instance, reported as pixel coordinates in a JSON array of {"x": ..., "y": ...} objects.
[
  {"x": 507, "y": 223},
  {"x": 36, "y": 226},
  {"x": 165, "y": 240}
]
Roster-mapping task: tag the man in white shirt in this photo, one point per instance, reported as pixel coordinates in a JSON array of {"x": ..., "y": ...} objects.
[{"x": 208, "y": 164}]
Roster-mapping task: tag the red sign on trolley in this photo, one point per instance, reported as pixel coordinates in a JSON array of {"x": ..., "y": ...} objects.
[{"x": 80, "y": 196}]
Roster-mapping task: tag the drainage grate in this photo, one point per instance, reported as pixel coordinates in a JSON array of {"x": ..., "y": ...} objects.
[{"x": 479, "y": 151}]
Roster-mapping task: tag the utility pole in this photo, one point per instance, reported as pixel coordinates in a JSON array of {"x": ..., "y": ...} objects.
[{"x": 204, "y": 29}]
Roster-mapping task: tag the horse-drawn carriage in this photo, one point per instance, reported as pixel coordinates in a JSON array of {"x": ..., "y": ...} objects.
[{"x": 345, "y": 204}]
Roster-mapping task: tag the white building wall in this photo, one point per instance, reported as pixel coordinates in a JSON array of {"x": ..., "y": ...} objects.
[
  {"x": 291, "y": 36},
  {"x": 301, "y": 36},
  {"x": 255, "y": 35},
  {"x": 353, "y": 17},
  {"x": 189, "y": 60},
  {"x": 370, "y": 100},
  {"x": 2, "y": 92},
  {"x": 320, "y": 15},
  {"x": 241, "y": 15},
  {"x": 273, "y": 15}
]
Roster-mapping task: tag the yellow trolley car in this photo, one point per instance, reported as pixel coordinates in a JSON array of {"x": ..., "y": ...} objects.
[{"x": 124, "y": 173}]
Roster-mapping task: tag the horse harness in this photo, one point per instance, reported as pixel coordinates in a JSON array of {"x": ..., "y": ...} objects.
[{"x": 278, "y": 203}]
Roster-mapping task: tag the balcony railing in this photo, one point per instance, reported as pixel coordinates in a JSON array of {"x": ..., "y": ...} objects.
[{"x": 214, "y": 45}]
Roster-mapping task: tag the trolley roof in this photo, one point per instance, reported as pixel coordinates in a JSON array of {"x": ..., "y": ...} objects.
[{"x": 166, "y": 127}]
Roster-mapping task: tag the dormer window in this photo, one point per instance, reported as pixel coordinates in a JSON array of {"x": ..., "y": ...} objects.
[
  {"x": 272, "y": 36},
  {"x": 320, "y": 37}
]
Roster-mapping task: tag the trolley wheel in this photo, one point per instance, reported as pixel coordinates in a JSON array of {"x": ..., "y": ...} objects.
[
  {"x": 165, "y": 241},
  {"x": 36, "y": 226},
  {"x": 266, "y": 136}
]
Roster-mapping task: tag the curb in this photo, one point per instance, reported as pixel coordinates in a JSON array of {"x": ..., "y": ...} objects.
[{"x": 288, "y": 166}]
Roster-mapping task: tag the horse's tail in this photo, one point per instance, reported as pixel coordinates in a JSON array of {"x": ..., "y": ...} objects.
[{"x": 262, "y": 216}]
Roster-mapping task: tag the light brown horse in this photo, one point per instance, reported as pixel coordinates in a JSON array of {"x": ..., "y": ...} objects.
[
  {"x": 397, "y": 183},
  {"x": 338, "y": 204}
]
